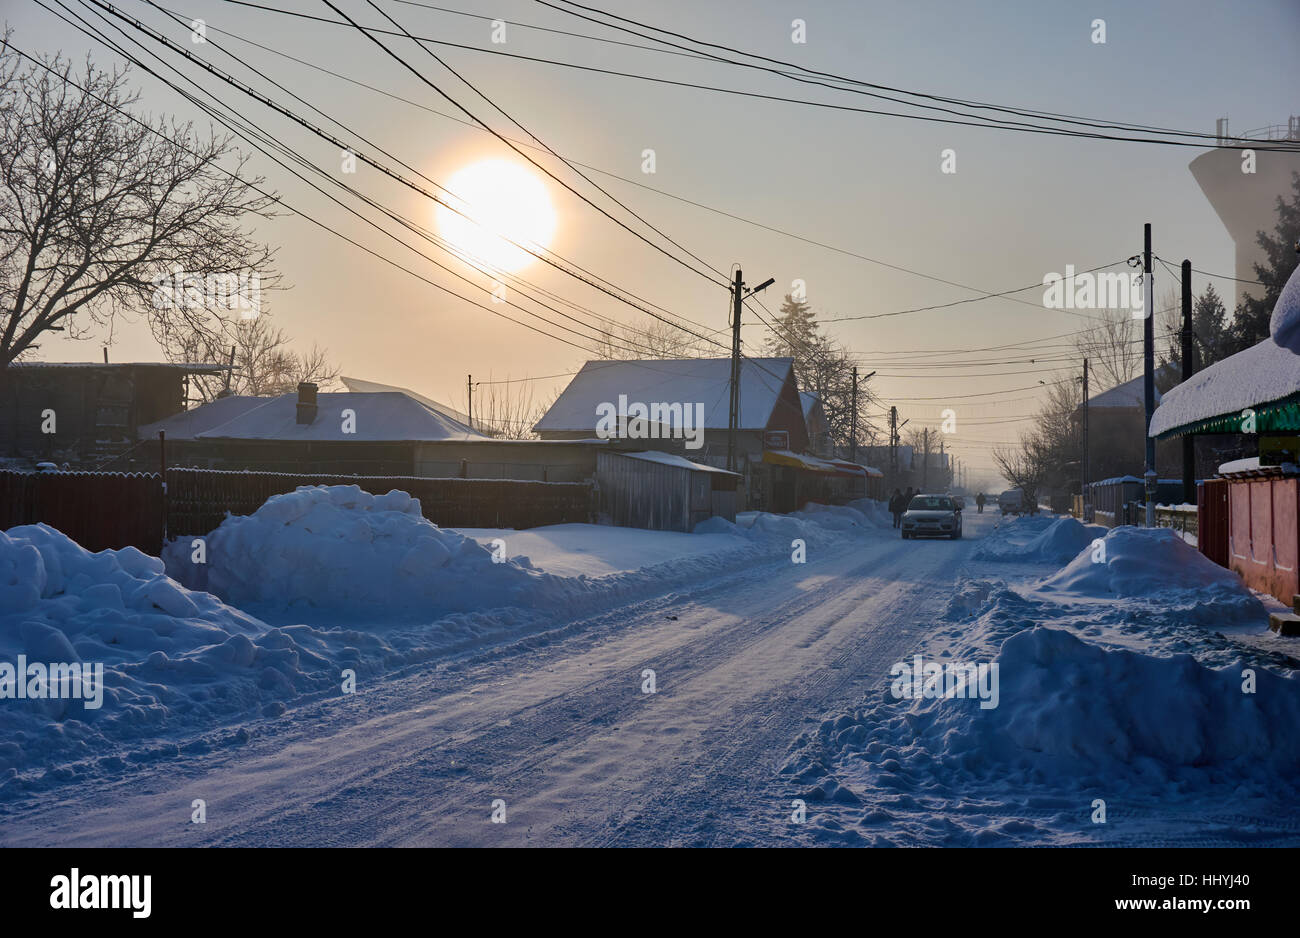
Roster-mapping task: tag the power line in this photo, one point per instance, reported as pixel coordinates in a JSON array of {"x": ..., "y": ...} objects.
[
  {"x": 365, "y": 157},
  {"x": 537, "y": 139},
  {"x": 1063, "y": 132},
  {"x": 1002, "y": 123},
  {"x": 709, "y": 208}
]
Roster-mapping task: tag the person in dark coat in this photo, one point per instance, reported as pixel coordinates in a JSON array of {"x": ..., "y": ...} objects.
[
  {"x": 979, "y": 502},
  {"x": 896, "y": 507}
]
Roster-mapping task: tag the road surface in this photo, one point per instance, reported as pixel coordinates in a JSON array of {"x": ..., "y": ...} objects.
[{"x": 557, "y": 727}]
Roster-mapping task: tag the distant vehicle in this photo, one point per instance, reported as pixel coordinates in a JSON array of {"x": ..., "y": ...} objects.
[
  {"x": 932, "y": 516},
  {"x": 1012, "y": 502},
  {"x": 46, "y": 467}
]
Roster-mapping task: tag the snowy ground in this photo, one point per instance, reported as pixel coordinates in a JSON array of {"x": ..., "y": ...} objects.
[{"x": 772, "y": 684}]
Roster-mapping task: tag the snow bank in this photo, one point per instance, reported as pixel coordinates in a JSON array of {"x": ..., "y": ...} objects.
[
  {"x": 1055, "y": 540},
  {"x": 1142, "y": 562},
  {"x": 1071, "y": 713},
  {"x": 169, "y": 655},
  {"x": 336, "y": 551}
]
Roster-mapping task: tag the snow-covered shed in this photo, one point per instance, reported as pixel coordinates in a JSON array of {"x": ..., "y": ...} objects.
[{"x": 662, "y": 491}]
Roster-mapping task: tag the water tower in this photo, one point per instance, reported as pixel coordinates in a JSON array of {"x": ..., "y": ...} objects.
[{"x": 1247, "y": 202}]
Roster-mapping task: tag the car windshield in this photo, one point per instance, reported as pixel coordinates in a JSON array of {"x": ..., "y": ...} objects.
[{"x": 931, "y": 503}]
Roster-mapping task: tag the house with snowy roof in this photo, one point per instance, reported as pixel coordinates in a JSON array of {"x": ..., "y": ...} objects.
[
  {"x": 1247, "y": 518},
  {"x": 356, "y": 432},
  {"x": 682, "y": 406}
]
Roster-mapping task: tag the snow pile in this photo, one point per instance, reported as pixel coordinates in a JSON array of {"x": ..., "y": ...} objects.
[
  {"x": 1071, "y": 713},
  {"x": 1071, "y": 707},
  {"x": 169, "y": 655},
  {"x": 1145, "y": 563},
  {"x": 338, "y": 551},
  {"x": 1055, "y": 541}
]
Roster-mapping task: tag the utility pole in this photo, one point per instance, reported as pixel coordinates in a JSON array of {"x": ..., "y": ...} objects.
[
  {"x": 469, "y": 397},
  {"x": 893, "y": 443},
  {"x": 733, "y": 411},
  {"x": 1085, "y": 497},
  {"x": 1148, "y": 376},
  {"x": 1189, "y": 369},
  {"x": 738, "y": 296},
  {"x": 925, "y": 460},
  {"x": 853, "y": 432}
]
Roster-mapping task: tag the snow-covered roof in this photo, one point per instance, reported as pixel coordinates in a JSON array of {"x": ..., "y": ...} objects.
[
  {"x": 186, "y": 367},
  {"x": 1128, "y": 394},
  {"x": 672, "y": 459},
  {"x": 1265, "y": 373},
  {"x": 358, "y": 384},
  {"x": 384, "y": 416},
  {"x": 685, "y": 380},
  {"x": 808, "y": 400},
  {"x": 188, "y": 423}
]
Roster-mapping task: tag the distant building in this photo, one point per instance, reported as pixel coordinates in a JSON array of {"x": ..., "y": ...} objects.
[
  {"x": 1117, "y": 432},
  {"x": 814, "y": 417},
  {"x": 84, "y": 413}
]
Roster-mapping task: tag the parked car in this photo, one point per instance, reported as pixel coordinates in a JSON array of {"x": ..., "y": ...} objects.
[
  {"x": 1011, "y": 502},
  {"x": 932, "y": 516}
]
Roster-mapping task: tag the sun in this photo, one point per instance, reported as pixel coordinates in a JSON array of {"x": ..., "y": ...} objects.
[{"x": 507, "y": 201}]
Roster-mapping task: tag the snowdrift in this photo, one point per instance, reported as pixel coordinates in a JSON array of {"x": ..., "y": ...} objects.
[
  {"x": 1144, "y": 563},
  {"x": 338, "y": 552},
  {"x": 1053, "y": 540},
  {"x": 1068, "y": 706},
  {"x": 1074, "y": 721},
  {"x": 170, "y": 655}
]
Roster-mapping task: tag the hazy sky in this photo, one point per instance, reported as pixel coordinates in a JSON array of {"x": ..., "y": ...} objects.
[{"x": 1018, "y": 206}]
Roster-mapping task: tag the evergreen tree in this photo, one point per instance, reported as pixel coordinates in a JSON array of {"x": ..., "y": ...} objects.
[
  {"x": 796, "y": 334},
  {"x": 1210, "y": 324},
  {"x": 1250, "y": 322}
]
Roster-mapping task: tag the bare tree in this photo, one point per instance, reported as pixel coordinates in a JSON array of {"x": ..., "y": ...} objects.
[
  {"x": 1113, "y": 349},
  {"x": 264, "y": 364},
  {"x": 99, "y": 208},
  {"x": 656, "y": 340},
  {"x": 508, "y": 409}
]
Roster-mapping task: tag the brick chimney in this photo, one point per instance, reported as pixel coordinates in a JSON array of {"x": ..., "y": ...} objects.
[{"x": 306, "y": 403}]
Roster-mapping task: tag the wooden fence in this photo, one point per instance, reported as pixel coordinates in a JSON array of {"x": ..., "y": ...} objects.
[
  {"x": 112, "y": 510},
  {"x": 98, "y": 510}
]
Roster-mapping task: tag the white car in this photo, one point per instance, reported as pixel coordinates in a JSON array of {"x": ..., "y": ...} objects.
[{"x": 932, "y": 516}]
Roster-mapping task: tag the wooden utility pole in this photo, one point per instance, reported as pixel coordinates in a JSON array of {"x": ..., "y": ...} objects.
[
  {"x": 1085, "y": 497},
  {"x": 853, "y": 431},
  {"x": 1149, "y": 376},
  {"x": 733, "y": 411},
  {"x": 469, "y": 400},
  {"x": 1189, "y": 369},
  {"x": 893, "y": 443}
]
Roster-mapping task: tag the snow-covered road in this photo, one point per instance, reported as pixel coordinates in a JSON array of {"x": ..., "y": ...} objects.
[{"x": 557, "y": 725}]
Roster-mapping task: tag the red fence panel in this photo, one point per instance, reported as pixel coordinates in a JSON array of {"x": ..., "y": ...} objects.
[{"x": 1212, "y": 520}]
